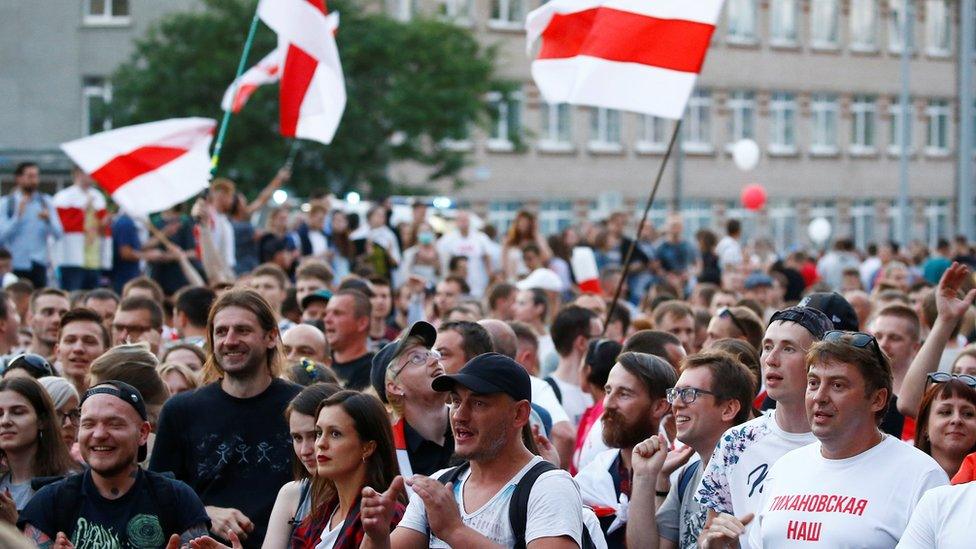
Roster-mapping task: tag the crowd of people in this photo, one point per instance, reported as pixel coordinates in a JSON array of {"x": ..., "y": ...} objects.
[{"x": 330, "y": 382}]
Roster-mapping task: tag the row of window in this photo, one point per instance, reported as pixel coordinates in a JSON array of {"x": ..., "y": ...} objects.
[
  {"x": 555, "y": 131},
  {"x": 106, "y": 12}
]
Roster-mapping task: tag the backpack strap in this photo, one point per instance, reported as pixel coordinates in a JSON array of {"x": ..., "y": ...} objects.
[
  {"x": 685, "y": 479},
  {"x": 454, "y": 473},
  {"x": 555, "y": 388},
  {"x": 518, "y": 507}
]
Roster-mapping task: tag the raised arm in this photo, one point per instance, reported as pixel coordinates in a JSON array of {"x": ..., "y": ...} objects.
[{"x": 280, "y": 178}]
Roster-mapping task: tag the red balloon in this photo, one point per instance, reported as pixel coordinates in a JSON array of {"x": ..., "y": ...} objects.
[{"x": 753, "y": 197}]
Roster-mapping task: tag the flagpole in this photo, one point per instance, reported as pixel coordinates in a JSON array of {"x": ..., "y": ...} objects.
[
  {"x": 293, "y": 152},
  {"x": 219, "y": 143},
  {"x": 640, "y": 227}
]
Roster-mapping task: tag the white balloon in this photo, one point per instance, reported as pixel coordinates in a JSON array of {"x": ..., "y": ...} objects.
[
  {"x": 745, "y": 154},
  {"x": 819, "y": 230}
]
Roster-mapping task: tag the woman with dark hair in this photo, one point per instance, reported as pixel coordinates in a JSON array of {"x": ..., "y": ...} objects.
[
  {"x": 341, "y": 249},
  {"x": 30, "y": 443},
  {"x": 946, "y": 427}
]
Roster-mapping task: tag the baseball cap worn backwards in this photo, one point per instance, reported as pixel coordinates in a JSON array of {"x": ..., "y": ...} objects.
[
  {"x": 837, "y": 309},
  {"x": 812, "y": 319}
]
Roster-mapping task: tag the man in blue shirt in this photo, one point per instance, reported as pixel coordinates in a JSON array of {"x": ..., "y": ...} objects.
[{"x": 27, "y": 219}]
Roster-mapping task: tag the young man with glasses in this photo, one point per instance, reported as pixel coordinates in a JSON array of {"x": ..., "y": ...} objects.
[
  {"x": 139, "y": 318},
  {"x": 634, "y": 405},
  {"x": 855, "y": 486},
  {"x": 402, "y": 373},
  {"x": 734, "y": 478},
  {"x": 713, "y": 394}
]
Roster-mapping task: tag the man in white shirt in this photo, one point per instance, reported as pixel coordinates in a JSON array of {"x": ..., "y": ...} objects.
[
  {"x": 728, "y": 249},
  {"x": 572, "y": 331},
  {"x": 84, "y": 250},
  {"x": 474, "y": 245},
  {"x": 489, "y": 400},
  {"x": 734, "y": 480},
  {"x": 855, "y": 486}
]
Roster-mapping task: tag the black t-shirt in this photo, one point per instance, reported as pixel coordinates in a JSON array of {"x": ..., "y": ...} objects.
[
  {"x": 427, "y": 457},
  {"x": 233, "y": 452},
  {"x": 355, "y": 373},
  {"x": 131, "y": 521}
]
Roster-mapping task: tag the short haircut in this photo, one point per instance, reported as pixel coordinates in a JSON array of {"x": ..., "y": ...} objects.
[
  {"x": 452, "y": 264},
  {"x": 47, "y": 291},
  {"x": 272, "y": 270},
  {"x": 143, "y": 303},
  {"x": 222, "y": 184},
  {"x": 539, "y": 298},
  {"x": 674, "y": 308},
  {"x": 655, "y": 373},
  {"x": 462, "y": 284},
  {"x": 523, "y": 332},
  {"x": 748, "y": 324},
  {"x": 743, "y": 352},
  {"x": 5, "y": 253},
  {"x": 906, "y": 313},
  {"x": 731, "y": 380},
  {"x": 652, "y": 342},
  {"x": 499, "y": 291},
  {"x": 21, "y": 287},
  {"x": 621, "y": 315},
  {"x": 475, "y": 339},
  {"x": 84, "y": 314},
  {"x": 873, "y": 366},
  {"x": 102, "y": 294},
  {"x": 361, "y": 306},
  {"x": 195, "y": 302},
  {"x": 733, "y": 227},
  {"x": 146, "y": 283},
  {"x": 313, "y": 268},
  {"x": 596, "y": 352},
  {"x": 571, "y": 322},
  {"x": 23, "y": 167},
  {"x": 133, "y": 364}
]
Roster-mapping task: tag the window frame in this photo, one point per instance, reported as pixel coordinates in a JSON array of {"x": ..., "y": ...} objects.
[
  {"x": 106, "y": 18},
  {"x": 824, "y": 106}
]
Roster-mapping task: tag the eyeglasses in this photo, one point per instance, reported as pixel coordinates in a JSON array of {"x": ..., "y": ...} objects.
[
  {"x": 72, "y": 417},
  {"x": 419, "y": 358},
  {"x": 859, "y": 340},
  {"x": 725, "y": 312},
  {"x": 132, "y": 330},
  {"x": 686, "y": 394},
  {"x": 944, "y": 377}
]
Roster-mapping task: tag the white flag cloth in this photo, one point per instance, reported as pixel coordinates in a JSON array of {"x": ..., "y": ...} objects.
[
  {"x": 632, "y": 55},
  {"x": 148, "y": 168},
  {"x": 313, "y": 89},
  {"x": 266, "y": 71}
]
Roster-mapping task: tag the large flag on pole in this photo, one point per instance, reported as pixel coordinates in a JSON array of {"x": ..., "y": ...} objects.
[
  {"x": 313, "y": 89},
  {"x": 148, "y": 168},
  {"x": 633, "y": 55},
  {"x": 267, "y": 71}
]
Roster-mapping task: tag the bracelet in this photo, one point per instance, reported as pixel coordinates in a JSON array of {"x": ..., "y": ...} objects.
[{"x": 661, "y": 494}]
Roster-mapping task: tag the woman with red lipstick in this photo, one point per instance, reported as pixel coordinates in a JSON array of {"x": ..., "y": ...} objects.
[{"x": 946, "y": 428}]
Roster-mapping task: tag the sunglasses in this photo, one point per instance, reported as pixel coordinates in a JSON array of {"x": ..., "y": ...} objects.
[
  {"x": 860, "y": 340},
  {"x": 944, "y": 377},
  {"x": 32, "y": 363},
  {"x": 725, "y": 312}
]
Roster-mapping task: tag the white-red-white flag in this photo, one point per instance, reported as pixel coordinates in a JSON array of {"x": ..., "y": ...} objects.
[
  {"x": 267, "y": 71},
  {"x": 313, "y": 89},
  {"x": 633, "y": 55},
  {"x": 148, "y": 168}
]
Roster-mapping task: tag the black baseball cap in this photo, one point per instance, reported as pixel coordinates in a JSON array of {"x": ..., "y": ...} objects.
[
  {"x": 812, "y": 319},
  {"x": 317, "y": 295},
  {"x": 837, "y": 309},
  {"x": 127, "y": 393},
  {"x": 381, "y": 360},
  {"x": 487, "y": 374}
]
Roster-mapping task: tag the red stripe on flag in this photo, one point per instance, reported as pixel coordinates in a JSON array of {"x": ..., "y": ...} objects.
[
  {"x": 244, "y": 92},
  {"x": 295, "y": 80},
  {"x": 628, "y": 37},
  {"x": 122, "y": 169},
  {"x": 72, "y": 219}
]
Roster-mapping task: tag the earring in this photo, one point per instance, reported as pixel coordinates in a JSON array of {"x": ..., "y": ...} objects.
[{"x": 364, "y": 459}]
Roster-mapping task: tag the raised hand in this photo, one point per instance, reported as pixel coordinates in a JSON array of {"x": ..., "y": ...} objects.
[
  {"x": 675, "y": 459},
  {"x": 648, "y": 457},
  {"x": 947, "y": 302},
  {"x": 376, "y": 509}
]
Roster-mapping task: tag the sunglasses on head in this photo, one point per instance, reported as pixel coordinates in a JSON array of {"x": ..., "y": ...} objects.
[
  {"x": 944, "y": 377},
  {"x": 725, "y": 312},
  {"x": 859, "y": 340}
]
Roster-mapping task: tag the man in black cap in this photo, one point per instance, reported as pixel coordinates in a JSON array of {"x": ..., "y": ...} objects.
[
  {"x": 401, "y": 374},
  {"x": 837, "y": 309},
  {"x": 489, "y": 401},
  {"x": 114, "y": 503}
]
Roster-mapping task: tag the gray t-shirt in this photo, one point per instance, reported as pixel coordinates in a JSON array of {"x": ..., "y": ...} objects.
[
  {"x": 22, "y": 493},
  {"x": 682, "y": 522}
]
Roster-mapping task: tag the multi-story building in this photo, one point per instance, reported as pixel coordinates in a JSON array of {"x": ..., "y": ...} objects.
[{"x": 814, "y": 82}]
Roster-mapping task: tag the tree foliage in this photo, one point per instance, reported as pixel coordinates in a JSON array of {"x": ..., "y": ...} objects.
[{"x": 422, "y": 81}]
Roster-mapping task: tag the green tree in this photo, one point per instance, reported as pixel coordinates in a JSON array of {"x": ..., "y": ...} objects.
[{"x": 421, "y": 81}]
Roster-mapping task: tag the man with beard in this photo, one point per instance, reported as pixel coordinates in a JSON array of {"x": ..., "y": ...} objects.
[
  {"x": 489, "y": 407},
  {"x": 228, "y": 439},
  {"x": 47, "y": 306},
  {"x": 114, "y": 503},
  {"x": 27, "y": 219},
  {"x": 635, "y": 402}
]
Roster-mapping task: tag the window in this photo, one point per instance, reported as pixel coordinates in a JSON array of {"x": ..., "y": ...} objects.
[
  {"x": 457, "y": 11},
  {"x": 864, "y": 25},
  {"x": 507, "y": 14},
  {"x": 652, "y": 134},
  {"x": 936, "y": 221},
  {"x": 782, "y": 123},
  {"x": 784, "y": 226},
  {"x": 107, "y": 12},
  {"x": 824, "y": 17},
  {"x": 697, "y": 127},
  {"x": 506, "y": 112},
  {"x": 605, "y": 130},
  {"x": 741, "y": 21},
  {"x": 742, "y": 116},
  {"x": 557, "y": 128},
  {"x": 555, "y": 215},
  {"x": 863, "y": 112},
  {"x": 782, "y": 22},
  {"x": 823, "y": 124},
  {"x": 96, "y": 102},
  {"x": 862, "y": 223},
  {"x": 937, "y": 139},
  {"x": 938, "y": 28},
  {"x": 895, "y": 125},
  {"x": 502, "y": 214},
  {"x": 896, "y": 26}
]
